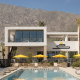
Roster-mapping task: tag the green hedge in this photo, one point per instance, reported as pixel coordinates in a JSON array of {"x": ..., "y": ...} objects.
[{"x": 76, "y": 64}]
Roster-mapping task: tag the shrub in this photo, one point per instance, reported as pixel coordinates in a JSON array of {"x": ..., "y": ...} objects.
[
  {"x": 76, "y": 64},
  {"x": 48, "y": 64},
  {"x": 43, "y": 62},
  {"x": 51, "y": 63},
  {"x": 29, "y": 54}
]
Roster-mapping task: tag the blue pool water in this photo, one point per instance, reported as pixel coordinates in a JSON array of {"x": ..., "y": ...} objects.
[{"x": 40, "y": 75}]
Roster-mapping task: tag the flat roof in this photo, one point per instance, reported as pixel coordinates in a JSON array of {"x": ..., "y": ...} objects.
[{"x": 62, "y": 33}]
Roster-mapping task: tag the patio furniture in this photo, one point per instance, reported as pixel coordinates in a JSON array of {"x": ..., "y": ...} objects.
[
  {"x": 40, "y": 56},
  {"x": 25, "y": 64},
  {"x": 31, "y": 65},
  {"x": 56, "y": 65},
  {"x": 35, "y": 65},
  {"x": 13, "y": 68},
  {"x": 2, "y": 73},
  {"x": 45, "y": 65},
  {"x": 16, "y": 65},
  {"x": 64, "y": 65},
  {"x": 7, "y": 70}
]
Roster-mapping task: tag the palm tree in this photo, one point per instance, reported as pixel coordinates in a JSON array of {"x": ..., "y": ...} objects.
[
  {"x": 41, "y": 23},
  {"x": 78, "y": 22}
]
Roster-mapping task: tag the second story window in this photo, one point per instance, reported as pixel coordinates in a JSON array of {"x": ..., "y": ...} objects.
[
  {"x": 25, "y": 36},
  {"x": 29, "y": 36},
  {"x": 33, "y": 36},
  {"x": 18, "y": 37}
]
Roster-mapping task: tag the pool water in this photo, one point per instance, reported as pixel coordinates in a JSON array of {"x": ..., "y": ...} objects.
[{"x": 40, "y": 75}]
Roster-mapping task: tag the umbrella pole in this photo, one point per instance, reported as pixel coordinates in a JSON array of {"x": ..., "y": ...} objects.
[
  {"x": 40, "y": 62},
  {"x": 20, "y": 60}
]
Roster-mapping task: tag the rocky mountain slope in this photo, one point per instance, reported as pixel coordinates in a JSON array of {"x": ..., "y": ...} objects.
[{"x": 55, "y": 21}]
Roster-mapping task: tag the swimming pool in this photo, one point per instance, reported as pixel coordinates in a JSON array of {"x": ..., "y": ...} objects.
[{"x": 27, "y": 74}]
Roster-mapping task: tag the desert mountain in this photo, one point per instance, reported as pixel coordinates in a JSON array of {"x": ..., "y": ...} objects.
[{"x": 56, "y": 21}]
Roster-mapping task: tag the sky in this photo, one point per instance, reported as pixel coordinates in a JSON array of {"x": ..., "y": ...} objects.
[{"x": 70, "y": 6}]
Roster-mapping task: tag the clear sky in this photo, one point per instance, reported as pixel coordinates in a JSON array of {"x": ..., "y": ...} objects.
[{"x": 70, "y": 6}]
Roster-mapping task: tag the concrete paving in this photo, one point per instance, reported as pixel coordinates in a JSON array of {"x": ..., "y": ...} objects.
[
  {"x": 70, "y": 71},
  {"x": 7, "y": 74}
]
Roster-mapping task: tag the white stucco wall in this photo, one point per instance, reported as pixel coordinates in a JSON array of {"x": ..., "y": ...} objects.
[
  {"x": 7, "y": 43},
  {"x": 74, "y": 46},
  {"x": 25, "y": 50}
]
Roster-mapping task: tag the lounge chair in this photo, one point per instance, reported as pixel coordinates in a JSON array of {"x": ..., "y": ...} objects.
[
  {"x": 55, "y": 65},
  {"x": 16, "y": 65},
  {"x": 64, "y": 65},
  {"x": 25, "y": 64},
  {"x": 13, "y": 68},
  {"x": 31, "y": 65},
  {"x": 2, "y": 73},
  {"x": 45, "y": 65},
  {"x": 6, "y": 70},
  {"x": 35, "y": 65}
]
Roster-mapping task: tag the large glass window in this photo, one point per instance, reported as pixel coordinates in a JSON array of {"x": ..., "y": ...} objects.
[
  {"x": 25, "y": 36},
  {"x": 29, "y": 36},
  {"x": 33, "y": 36},
  {"x": 18, "y": 36},
  {"x": 39, "y": 36}
]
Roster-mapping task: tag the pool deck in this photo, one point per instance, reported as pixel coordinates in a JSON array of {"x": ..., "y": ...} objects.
[
  {"x": 3, "y": 76},
  {"x": 69, "y": 70}
]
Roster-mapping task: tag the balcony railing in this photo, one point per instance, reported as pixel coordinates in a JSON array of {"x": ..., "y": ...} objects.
[{"x": 26, "y": 40}]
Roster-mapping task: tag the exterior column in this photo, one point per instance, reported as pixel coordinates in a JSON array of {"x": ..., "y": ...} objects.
[
  {"x": 67, "y": 54},
  {"x": 45, "y": 52},
  {"x": 7, "y": 50},
  {"x": 66, "y": 37}
]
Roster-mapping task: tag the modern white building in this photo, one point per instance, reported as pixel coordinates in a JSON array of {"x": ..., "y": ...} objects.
[{"x": 38, "y": 41}]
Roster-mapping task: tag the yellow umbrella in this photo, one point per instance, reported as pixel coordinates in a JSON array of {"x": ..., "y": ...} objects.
[
  {"x": 20, "y": 56},
  {"x": 59, "y": 56},
  {"x": 40, "y": 56},
  {"x": 34, "y": 56},
  {"x": 77, "y": 55},
  {"x": 54, "y": 56}
]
